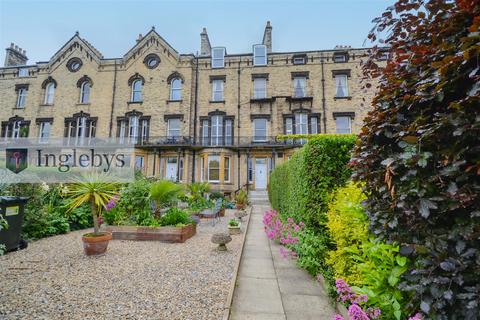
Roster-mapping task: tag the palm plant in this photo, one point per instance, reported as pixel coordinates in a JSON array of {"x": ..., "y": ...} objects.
[
  {"x": 94, "y": 190},
  {"x": 198, "y": 189},
  {"x": 164, "y": 192}
]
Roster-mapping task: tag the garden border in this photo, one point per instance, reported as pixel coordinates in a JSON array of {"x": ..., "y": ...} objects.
[
  {"x": 233, "y": 283},
  {"x": 164, "y": 234}
]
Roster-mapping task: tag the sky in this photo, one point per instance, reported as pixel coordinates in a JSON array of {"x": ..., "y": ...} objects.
[{"x": 42, "y": 27}]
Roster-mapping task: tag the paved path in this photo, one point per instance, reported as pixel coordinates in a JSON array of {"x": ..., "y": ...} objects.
[{"x": 270, "y": 286}]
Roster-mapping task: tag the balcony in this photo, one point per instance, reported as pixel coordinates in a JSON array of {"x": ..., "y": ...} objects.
[{"x": 219, "y": 142}]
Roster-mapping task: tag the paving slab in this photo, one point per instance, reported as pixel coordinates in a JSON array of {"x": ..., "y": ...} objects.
[{"x": 272, "y": 287}]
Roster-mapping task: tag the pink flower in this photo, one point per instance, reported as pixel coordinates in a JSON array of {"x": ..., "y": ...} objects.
[
  {"x": 418, "y": 316},
  {"x": 356, "y": 313},
  {"x": 338, "y": 317}
]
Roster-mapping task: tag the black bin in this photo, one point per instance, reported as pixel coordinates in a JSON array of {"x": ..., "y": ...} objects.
[{"x": 12, "y": 209}]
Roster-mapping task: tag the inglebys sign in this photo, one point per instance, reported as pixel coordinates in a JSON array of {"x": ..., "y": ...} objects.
[{"x": 25, "y": 160}]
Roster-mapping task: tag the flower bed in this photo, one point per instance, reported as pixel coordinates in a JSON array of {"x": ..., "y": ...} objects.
[{"x": 166, "y": 234}]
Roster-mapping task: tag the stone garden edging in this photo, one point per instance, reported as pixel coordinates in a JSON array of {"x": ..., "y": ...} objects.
[{"x": 228, "y": 304}]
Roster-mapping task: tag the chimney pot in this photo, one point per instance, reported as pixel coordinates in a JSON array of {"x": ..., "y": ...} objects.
[
  {"x": 11, "y": 45},
  {"x": 16, "y": 47}
]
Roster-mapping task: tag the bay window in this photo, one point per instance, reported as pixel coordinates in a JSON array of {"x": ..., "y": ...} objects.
[
  {"x": 226, "y": 169},
  {"x": 213, "y": 168},
  {"x": 44, "y": 131}
]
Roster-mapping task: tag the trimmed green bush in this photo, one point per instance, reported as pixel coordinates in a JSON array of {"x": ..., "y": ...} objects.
[{"x": 300, "y": 187}]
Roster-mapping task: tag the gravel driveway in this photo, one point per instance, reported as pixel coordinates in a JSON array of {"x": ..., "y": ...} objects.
[{"x": 52, "y": 279}]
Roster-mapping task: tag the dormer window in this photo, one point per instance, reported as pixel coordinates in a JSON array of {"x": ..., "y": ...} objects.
[
  {"x": 23, "y": 72},
  {"x": 340, "y": 57},
  {"x": 299, "y": 59},
  {"x": 218, "y": 57},
  {"x": 259, "y": 55}
]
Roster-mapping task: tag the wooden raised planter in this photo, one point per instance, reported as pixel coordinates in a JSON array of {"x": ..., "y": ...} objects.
[{"x": 166, "y": 234}]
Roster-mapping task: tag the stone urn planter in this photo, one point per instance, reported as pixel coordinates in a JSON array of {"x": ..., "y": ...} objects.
[
  {"x": 221, "y": 239},
  {"x": 96, "y": 244},
  {"x": 240, "y": 214}
]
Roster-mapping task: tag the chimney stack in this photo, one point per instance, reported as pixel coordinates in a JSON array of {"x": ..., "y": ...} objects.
[
  {"x": 267, "y": 37},
  {"x": 15, "y": 56},
  {"x": 205, "y": 47}
]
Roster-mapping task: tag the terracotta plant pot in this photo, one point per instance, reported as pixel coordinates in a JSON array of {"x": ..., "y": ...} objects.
[
  {"x": 222, "y": 212},
  {"x": 95, "y": 245},
  {"x": 240, "y": 206}
]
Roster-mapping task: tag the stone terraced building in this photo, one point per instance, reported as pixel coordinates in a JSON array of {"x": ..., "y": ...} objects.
[{"x": 211, "y": 117}]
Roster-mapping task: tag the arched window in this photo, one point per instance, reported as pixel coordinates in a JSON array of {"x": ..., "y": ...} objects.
[
  {"x": 85, "y": 92},
  {"x": 176, "y": 89},
  {"x": 49, "y": 93},
  {"x": 137, "y": 90}
]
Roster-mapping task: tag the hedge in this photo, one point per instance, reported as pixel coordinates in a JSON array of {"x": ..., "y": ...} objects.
[{"x": 300, "y": 187}]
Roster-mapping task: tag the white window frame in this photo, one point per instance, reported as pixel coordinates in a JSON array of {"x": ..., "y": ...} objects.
[
  {"x": 339, "y": 78},
  {"x": 139, "y": 162},
  {"x": 44, "y": 131},
  {"x": 174, "y": 132},
  {"x": 176, "y": 89},
  {"x": 16, "y": 126},
  {"x": 301, "y": 123},
  {"x": 288, "y": 125},
  {"x": 213, "y": 158},
  {"x": 202, "y": 169},
  {"x": 314, "y": 125},
  {"x": 49, "y": 94},
  {"x": 342, "y": 130},
  {"x": 133, "y": 125},
  {"x": 85, "y": 92},
  {"x": 259, "y": 88},
  {"x": 256, "y": 137},
  {"x": 122, "y": 131},
  {"x": 21, "y": 97},
  {"x": 218, "y": 57},
  {"x": 205, "y": 133},
  {"x": 144, "y": 127},
  {"x": 138, "y": 91},
  {"x": 226, "y": 169},
  {"x": 228, "y": 132},
  {"x": 300, "y": 80},
  {"x": 250, "y": 171},
  {"x": 216, "y": 133},
  {"x": 218, "y": 90},
  {"x": 259, "y": 55}
]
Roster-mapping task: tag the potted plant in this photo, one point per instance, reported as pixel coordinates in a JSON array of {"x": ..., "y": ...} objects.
[
  {"x": 97, "y": 192},
  {"x": 241, "y": 199},
  {"x": 233, "y": 227}
]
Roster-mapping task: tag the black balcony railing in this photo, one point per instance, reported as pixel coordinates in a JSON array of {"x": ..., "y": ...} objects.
[{"x": 243, "y": 141}]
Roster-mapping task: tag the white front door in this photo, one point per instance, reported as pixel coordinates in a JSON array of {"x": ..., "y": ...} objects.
[
  {"x": 260, "y": 173},
  {"x": 171, "y": 169}
]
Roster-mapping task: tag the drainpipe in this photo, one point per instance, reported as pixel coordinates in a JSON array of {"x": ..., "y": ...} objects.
[
  {"x": 113, "y": 100},
  {"x": 195, "y": 117},
  {"x": 238, "y": 101},
  {"x": 324, "y": 108}
]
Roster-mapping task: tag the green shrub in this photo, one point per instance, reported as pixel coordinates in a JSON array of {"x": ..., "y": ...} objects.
[
  {"x": 311, "y": 250},
  {"x": 175, "y": 216},
  {"x": 419, "y": 151},
  {"x": 300, "y": 187},
  {"x": 133, "y": 206},
  {"x": 348, "y": 227}
]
